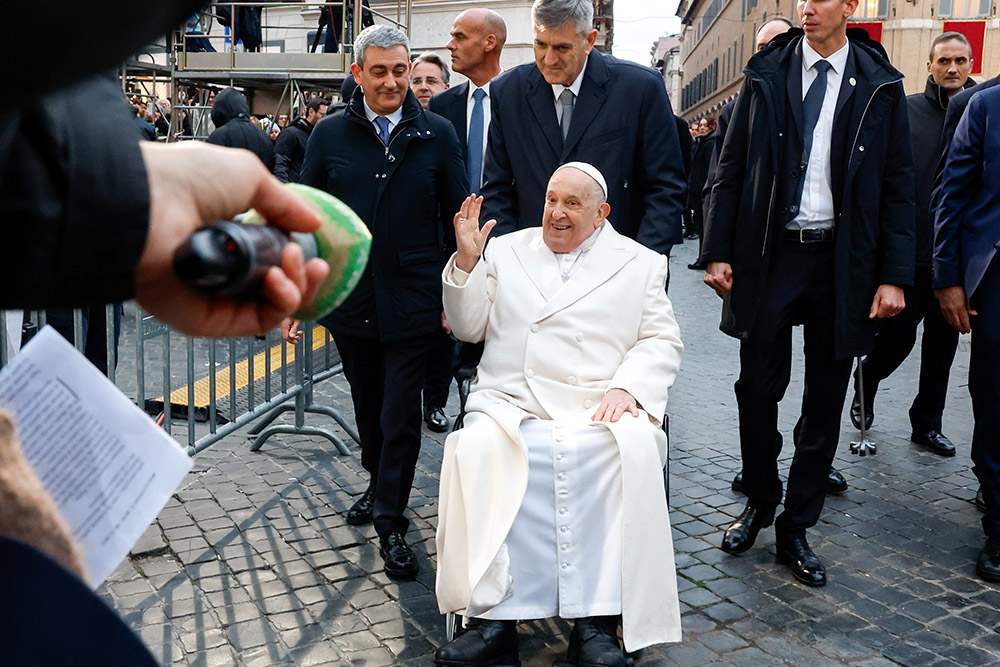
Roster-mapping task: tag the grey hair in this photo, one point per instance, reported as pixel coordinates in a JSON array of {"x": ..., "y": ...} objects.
[
  {"x": 435, "y": 59},
  {"x": 552, "y": 14},
  {"x": 381, "y": 37}
]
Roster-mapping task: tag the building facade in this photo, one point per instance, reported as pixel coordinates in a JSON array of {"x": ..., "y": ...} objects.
[{"x": 718, "y": 39}]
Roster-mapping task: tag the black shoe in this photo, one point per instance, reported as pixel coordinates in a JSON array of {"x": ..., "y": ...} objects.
[
  {"x": 988, "y": 563},
  {"x": 436, "y": 420},
  {"x": 738, "y": 483},
  {"x": 594, "y": 643},
  {"x": 800, "y": 559},
  {"x": 483, "y": 642},
  {"x": 400, "y": 561},
  {"x": 980, "y": 500},
  {"x": 691, "y": 236},
  {"x": 742, "y": 533},
  {"x": 835, "y": 482},
  {"x": 361, "y": 511},
  {"x": 697, "y": 266},
  {"x": 935, "y": 441}
]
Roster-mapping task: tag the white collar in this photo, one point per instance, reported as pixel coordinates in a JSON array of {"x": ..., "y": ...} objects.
[
  {"x": 575, "y": 87},
  {"x": 837, "y": 60},
  {"x": 395, "y": 117},
  {"x": 473, "y": 88}
]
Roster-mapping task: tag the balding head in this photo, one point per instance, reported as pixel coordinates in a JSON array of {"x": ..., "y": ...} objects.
[
  {"x": 575, "y": 207},
  {"x": 477, "y": 39},
  {"x": 776, "y": 26}
]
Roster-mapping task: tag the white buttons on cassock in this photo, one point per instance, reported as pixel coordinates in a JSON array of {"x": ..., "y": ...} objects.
[
  {"x": 534, "y": 328},
  {"x": 587, "y": 403},
  {"x": 571, "y": 379},
  {"x": 529, "y": 373},
  {"x": 579, "y": 337}
]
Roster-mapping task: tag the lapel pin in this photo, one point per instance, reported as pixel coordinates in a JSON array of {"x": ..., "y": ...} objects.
[{"x": 852, "y": 81}]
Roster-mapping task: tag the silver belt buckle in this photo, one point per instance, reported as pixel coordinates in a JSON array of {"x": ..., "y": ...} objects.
[{"x": 802, "y": 236}]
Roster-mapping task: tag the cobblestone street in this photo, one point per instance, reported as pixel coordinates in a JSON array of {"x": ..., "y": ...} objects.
[{"x": 252, "y": 562}]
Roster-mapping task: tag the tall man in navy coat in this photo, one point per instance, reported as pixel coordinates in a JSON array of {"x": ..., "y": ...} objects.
[
  {"x": 617, "y": 118},
  {"x": 967, "y": 284}
]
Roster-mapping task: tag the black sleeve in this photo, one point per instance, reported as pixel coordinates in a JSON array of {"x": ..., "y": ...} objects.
[
  {"x": 67, "y": 22},
  {"x": 724, "y": 204},
  {"x": 499, "y": 191},
  {"x": 283, "y": 148},
  {"x": 74, "y": 199},
  {"x": 454, "y": 185}
]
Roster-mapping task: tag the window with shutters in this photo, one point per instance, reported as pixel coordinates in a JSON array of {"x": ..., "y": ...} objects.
[
  {"x": 876, "y": 9},
  {"x": 964, "y": 8}
]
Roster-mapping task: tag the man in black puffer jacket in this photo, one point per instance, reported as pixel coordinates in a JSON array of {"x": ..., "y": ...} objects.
[
  {"x": 231, "y": 116},
  {"x": 290, "y": 147}
]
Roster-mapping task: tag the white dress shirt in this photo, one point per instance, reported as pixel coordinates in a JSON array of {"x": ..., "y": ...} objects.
[
  {"x": 557, "y": 90},
  {"x": 816, "y": 209},
  {"x": 394, "y": 118}
]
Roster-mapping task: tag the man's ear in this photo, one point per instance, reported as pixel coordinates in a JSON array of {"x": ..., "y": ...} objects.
[
  {"x": 356, "y": 71},
  {"x": 592, "y": 39},
  {"x": 603, "y": 210}
]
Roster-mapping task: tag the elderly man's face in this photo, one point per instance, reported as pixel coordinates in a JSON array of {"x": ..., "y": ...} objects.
[
  {"x": 560, "y": 53},
  {"x": 384, "y": 79},
  {"x": 573, "y": 210},
  {"x": 427, "y": 81}
]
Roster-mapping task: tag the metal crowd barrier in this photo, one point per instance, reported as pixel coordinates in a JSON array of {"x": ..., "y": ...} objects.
[{"x": 211, "y": 387}]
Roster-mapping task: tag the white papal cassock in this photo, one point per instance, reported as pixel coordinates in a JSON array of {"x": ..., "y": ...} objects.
[{"x": 544, "y": 512}]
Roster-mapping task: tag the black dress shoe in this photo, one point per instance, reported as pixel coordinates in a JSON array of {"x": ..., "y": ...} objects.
[
  {"x": 697, "y": 266},
  {"x": 361, "y": 511},
  {"x": 988, "y": 563},
  {"x": 483, "y": 642},
  {"x": 935, "y": 441},
  {"x": 436, "y": 420},
  {"x": 742, "y": 533},
  {"x": 594, "y": 643},
  {"x": 738, "y": 483},
  {"x": 835, "y": 482},
  {"x": 980, "y": 500},
  {"x": 800, "y": 559},
  {"x": 869, "y": 410},
  {"x": 400, "y": 561}
]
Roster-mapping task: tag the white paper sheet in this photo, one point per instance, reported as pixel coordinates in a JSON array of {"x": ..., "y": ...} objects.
[{"x": 108, "y": 466}]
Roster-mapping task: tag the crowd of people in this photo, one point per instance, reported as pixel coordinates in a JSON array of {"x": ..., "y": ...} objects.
[{"x": 510, "y": 214}]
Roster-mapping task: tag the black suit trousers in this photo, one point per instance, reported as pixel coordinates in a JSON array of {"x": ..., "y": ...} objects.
[
  {"x": 895, "y": 340},
  {"x": 984, "y": 386},
  {"x": 439, "y": 361},
  {"x": 386, "y": 379},
  {"x": 799, "y": 290}
]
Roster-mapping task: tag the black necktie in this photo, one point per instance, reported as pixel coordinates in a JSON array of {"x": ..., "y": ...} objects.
[{"x": 812, "y": 105}]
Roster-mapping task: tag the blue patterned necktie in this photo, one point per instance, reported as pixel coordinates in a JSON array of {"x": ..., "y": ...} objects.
[
  {"x": 474, "y": 156},
  {"x": 812, "y": 105},
  {"x": 383, "y": 129}
]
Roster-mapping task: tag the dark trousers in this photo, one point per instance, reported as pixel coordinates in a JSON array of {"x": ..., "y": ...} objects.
[
  {"x": 439, "y": 361},
  {"x": 94, "y": 331},
  {"x": 896, "y": 337},
  {"x": 386, "y": 379},
  {"x": 984, "y": 386},
  {"x": 799, "y": 291}
]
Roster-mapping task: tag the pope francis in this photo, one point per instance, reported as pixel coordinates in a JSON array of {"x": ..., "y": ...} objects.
[{"x": 552, "y": 497}]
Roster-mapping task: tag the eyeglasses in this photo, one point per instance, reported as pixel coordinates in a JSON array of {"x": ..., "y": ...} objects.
[{"x": 431, "y": 80}]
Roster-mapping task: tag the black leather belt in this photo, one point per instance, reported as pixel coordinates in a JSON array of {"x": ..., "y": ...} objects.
[{"x": 810, "y": 235}]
